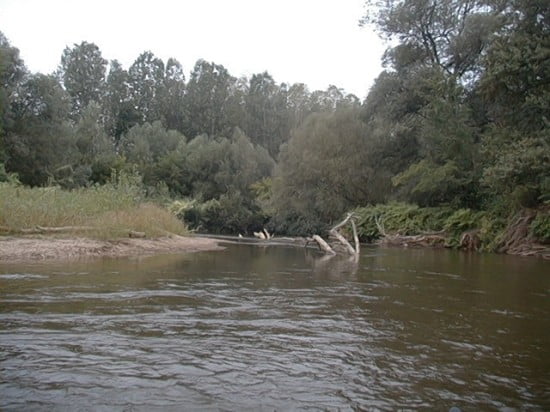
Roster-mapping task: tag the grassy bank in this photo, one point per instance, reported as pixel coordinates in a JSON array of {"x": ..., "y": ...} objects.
[
  {"x": 524, "y": 232},
  {"x": 103, "y": 212}
]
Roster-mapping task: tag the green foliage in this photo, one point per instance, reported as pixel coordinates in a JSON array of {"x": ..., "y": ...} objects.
[
  {"x": 12, "y": 73},
  {"x": 516, "y": 80},
  {"x": 430, "y": 184},
  {"x": 458, "y": 122},
  {"x": 407, "y": 219},
  {"x": 40, "y": 139},
  {"x": 491, "y": 232},
  {"x": 462, "y": 220},
  {"x": 231, "y": 213},
  {"x": 147, "y": 143},
  {"x": 145, "y": 78},
  {"x": 123, "y": 190},
  {"x": 540, "y": 227},
  {"x": 450, "y": 35},
  {"x": 112, "y": 209},
  {"x": 518, "y": 167},
  {"x": 206, "y": 100},
  {"x": 118, "y": 106},
  {"x": 180, "y": 207},
  {"x": 82, "y": 71},
  {"x": 402, "y": 218},
  {"x": 323, "y": 170},
  {"x": 171, "y": 97}
]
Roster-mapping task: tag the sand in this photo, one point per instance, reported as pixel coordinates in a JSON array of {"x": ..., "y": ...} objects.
[{"x": 25, "y": 249}]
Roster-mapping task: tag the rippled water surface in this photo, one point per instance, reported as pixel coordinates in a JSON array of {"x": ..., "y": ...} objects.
[{"x": 277, "y": 328}]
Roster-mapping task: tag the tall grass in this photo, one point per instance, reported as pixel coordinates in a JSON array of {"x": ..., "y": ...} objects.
[{"x": 112, "y": 210}]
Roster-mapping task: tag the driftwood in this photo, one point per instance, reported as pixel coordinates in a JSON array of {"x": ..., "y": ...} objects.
[
  {"x": 263, "y": 234},
  {"x": 323, "y": 245},
  {"x": 436, "y": 239},
  {"x": 37, "y": 230},
  {"x": 42, "y": 230},
  {"x": 470, "y": 240},
  {"x": 334, "y": 233}
]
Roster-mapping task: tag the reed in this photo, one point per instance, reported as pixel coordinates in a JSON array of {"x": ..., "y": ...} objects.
[{"x": 110, "y": 210}]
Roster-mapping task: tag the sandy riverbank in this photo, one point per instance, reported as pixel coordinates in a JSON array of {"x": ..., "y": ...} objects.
[{"x": 22, "y": 249}]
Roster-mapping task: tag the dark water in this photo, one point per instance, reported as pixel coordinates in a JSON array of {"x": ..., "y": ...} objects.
[{"x": 276, "y": 328}]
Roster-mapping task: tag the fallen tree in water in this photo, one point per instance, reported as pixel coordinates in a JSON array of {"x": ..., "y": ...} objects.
[{"x": 339, "y": 244}]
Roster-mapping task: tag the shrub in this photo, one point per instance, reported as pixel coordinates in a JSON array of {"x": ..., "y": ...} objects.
[{"x": 540, "y": 227}]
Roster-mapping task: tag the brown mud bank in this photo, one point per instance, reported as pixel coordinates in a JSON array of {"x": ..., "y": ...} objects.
[{"x": 23, "y": 249}]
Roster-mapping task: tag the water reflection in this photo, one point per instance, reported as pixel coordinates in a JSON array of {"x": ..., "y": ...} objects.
[{"x": 277, "y": 328}]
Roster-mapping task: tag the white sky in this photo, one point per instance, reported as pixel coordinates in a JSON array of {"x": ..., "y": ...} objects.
[{"x": 316, "y": 42}]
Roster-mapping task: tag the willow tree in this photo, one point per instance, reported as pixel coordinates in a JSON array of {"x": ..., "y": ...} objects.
[{"x": 323, "y": 171}]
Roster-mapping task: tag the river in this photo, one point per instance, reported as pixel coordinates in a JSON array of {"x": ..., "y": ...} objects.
[{"x": 277, "y": 328}]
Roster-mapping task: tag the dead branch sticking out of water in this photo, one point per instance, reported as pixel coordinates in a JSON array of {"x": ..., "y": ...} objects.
[
  {"x": 332, "y": 250},
  {"x": 263, "y": 234}
]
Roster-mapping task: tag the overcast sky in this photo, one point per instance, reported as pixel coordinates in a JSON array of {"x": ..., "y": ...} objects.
[{"x": 316, "y": 42}]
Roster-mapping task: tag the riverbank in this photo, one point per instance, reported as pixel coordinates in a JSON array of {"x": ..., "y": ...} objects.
[
  {"x": 523, "y": 233},
  {"x": 30, "y": 249}
]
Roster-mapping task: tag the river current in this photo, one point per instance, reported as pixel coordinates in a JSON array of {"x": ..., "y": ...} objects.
[{"x": 277, "y": 328}]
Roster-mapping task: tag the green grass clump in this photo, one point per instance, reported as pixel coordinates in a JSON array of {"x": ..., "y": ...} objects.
[{"x": 111, "y": 210}]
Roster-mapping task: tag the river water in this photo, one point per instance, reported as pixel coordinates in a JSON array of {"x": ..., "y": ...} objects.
[{"x": 277, "y": 328}]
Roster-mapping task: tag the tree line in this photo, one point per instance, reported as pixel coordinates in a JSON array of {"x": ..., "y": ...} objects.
[{"x": 459, "y": 117}]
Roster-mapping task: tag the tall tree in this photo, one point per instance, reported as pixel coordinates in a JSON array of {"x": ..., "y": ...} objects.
[
  {"x": 41, "y": 143},
  {"x": 118, "y": 105},
  {"x": 12, "y": 74},
  {"x": 146, "y": 77},
  {"x": 449, "y": 34},
  {"x": 298, "y": 104},
  {"x": 323, "y": 171},
  {"x": 448, "y": 171},
  {"x": 82, "y": 72},
  {"x": 207, "y": 98},
  {"x": 172, "y": 95},
  {"x": 516, "y": 89},
  {"x": 261, "y": 110}
]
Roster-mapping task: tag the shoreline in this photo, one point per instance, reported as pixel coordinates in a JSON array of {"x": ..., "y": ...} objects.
[{"x": 46, "y": 248}]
